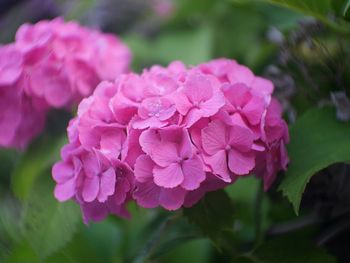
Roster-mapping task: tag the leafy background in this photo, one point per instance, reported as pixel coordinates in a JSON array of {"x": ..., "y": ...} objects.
[{"x": 301, "y": 45}]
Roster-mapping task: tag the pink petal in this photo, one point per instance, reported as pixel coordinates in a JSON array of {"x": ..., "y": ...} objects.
[
  {"x": 147, "y": 194},
  {"x": 262, "y": 86},
  {"x": 183, "y": 105},
  {"x": 241, "y": 138},
  {"x": 254, "y": 110},
  {"x": 107, "y": 185},
  {"x": 148, "y": 123},
  {"x": 237, "y": 94},
  {"x": 198, "y": 88},
  {"x": 168, "y": 177},
  {"x": 62, "y": 172},
  {"x": 144, "y": 168},
  {"x": 65, "y": 191},
  {"x": 186, "y": 145},
  {"x": 241, "y": 74},
  {"x": 91, "y": 165},
  {"x": 213, "y": 105},
  {"x": 165, "y": 153},
  {"x": 172, "y": 199},
  {"x": 241, "y": 163},
  {"x": 193, "y": 116},
  {"x": 194, "y": 174},
  {"x": 121, "y": 190},
  {"x": 90, "y": 188},
  {"x": 10, "y": 65},
  {"x": 149, "y": 140},
  {"x": 112, "y": 142},
  {"x": 214, "y": 137},
  {"x": 218, "y": 163}
]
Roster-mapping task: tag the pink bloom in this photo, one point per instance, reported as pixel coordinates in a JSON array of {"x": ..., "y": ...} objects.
[
  {"x": 52, "y": 64},
  {"x": 229, "y": 149},
  {"x": 154, "y": 113},
  {"x": 240, "y": 100},
  {"x": 91, "y": 179},
  {"x": 168, "y": 136},
  {"x": 11, "y": 65},
  {"x": 150, "y": 195},
  {"x": 71, "y": 58},
  {"x": 177, "y": 164},
  {"x": 200, "y": 97}
]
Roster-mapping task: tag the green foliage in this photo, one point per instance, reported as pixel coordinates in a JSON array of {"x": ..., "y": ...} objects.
[
  {"x": 346, "y": 8},
  {"x": 290, "y": 249},
  {"x": 316, "y": 8},
  {"x": 319, "y": 9},
  {"x": 214, "y": 215},
  {"x": 48, "y": 224},
  {"x": 317, "y": 141},
  {"x": 34, "y": 227},
  {"x": 38, "y": 158}
]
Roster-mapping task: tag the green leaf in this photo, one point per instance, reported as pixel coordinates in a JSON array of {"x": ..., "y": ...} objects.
[
  {"x": 346, "y": 8},
  {"x": 213, "y": 214},
  {"x": 49, "y": 224},
  {"x": 315, "y": 8},
  {"x": 320, "y": 9},
  {"x": 291, "y": 249},
  {"x": 317, "y": 141},
  {"x": 38, "y": 158}
]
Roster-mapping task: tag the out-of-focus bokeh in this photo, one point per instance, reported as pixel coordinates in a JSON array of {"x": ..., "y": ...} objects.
[{"x": 304, "y": 50}]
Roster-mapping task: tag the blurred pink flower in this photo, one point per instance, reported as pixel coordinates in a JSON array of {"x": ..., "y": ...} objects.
[{"x": 52, "y": 64}]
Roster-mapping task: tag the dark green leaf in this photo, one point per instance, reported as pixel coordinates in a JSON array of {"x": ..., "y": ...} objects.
[
  {"x": 291, "y": 250},
  {"x": 317, "y": 141},
  {"x": 315, "y": 8},
  {"x": 214, "y": 214},
  {"x": 38, "y": 158},
  {"x": 346, "y": 8},
  {"x": 49, "y": 224}
]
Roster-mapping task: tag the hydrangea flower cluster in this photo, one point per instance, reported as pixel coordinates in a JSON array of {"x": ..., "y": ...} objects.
[
  {"x": 166, "y": 137},
  {"x": 52, "y": 64}
]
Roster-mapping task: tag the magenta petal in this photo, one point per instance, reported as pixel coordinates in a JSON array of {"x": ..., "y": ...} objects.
[
  {"x": 253, "y": 110},
  {"x": 168, "y": 177},
  {"x": 65, "y": 191},
  {"x": 194, "y": 174},
  {"x": 147, "y": 194},
  {"x": 112, "y": 142},
  {"x": 61, "y": 172},
  {"x": 198, "y": 88},
  {"x": 181, "y": 102},
  {"x": 214, "y": 137},
  {"x": 213, "y": 105},
  {"x": 90, "y": 188},
  {"x": 241, "y": 163},
  {"x": 241, "y": 138},
  {"x": 149, "y": 140},
  {"x": 107, "y": 185},
  {"x": 172, "y": 199},
  {"x": 94, "y": 211},
  {"x": 165, "y": 153},
  {"x": 218, "y": 163},
  {"x": 144, "y": 168}
]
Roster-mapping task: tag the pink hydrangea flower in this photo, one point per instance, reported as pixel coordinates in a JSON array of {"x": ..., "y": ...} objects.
[
  {"x": 52, "y": 64},
  {"x": 176, "y": 132}
]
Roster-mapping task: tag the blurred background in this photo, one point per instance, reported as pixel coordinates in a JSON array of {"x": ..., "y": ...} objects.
[{"x": 305, "y": 54}]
